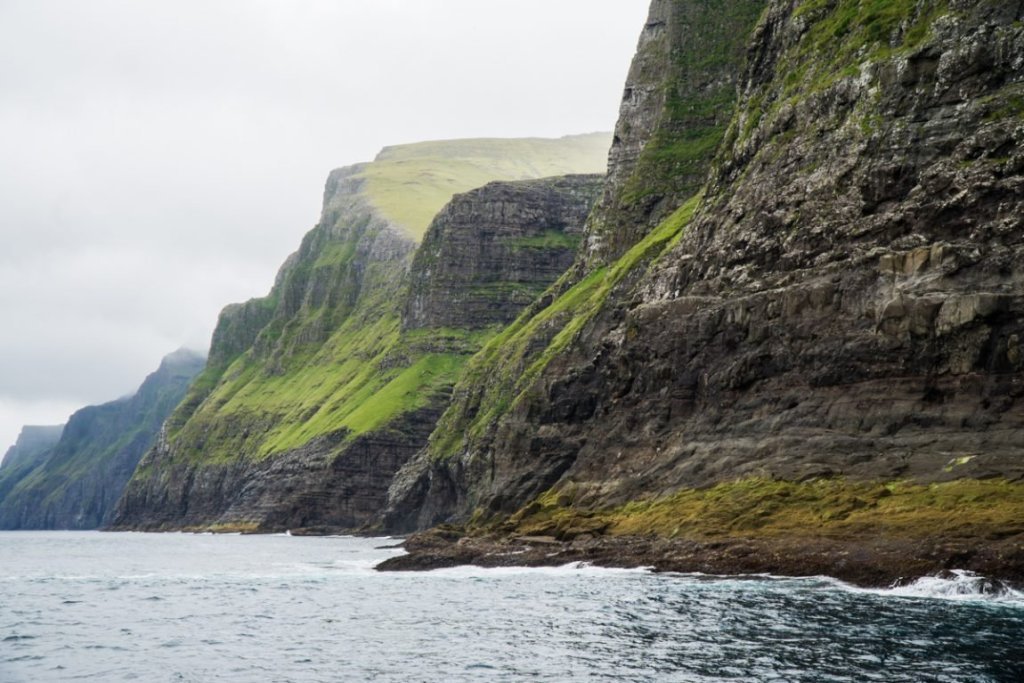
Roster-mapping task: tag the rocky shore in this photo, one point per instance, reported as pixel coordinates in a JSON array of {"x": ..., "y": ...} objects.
[{"x": 864, "y": 561}]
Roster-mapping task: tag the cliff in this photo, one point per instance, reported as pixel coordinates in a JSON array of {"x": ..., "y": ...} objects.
[
  {"x": 33, "y": 442},
  {"x": 74, "y": 481},
  {"x": 318, "y": 393},
  {"x": 33, "y": 445},
  {"x": 822, "y": 342}
]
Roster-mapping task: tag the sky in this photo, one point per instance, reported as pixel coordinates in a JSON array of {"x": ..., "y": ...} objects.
[{"x": 160, "y": 159}]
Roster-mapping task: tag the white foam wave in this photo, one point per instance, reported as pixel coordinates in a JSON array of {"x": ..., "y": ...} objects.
[
  {"x": 957, "y": 584},
  {"x": 573, "y": 568},
  {"x": 960, "y": 584}
]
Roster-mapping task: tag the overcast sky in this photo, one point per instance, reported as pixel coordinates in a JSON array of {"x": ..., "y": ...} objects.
[{"x": 160, "y": 159}]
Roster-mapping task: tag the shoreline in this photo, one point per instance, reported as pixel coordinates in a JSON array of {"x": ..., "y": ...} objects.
[{"x": 864, "y": 562}]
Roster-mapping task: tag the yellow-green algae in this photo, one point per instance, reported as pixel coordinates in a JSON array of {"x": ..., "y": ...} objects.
[{"x": 828, "y": 508}]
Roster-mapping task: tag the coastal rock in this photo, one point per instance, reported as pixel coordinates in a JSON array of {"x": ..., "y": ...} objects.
[{"x": 492, "y": 251}]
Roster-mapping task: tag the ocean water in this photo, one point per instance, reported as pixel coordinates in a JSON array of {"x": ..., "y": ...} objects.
[{"x": 177, "y": 607}]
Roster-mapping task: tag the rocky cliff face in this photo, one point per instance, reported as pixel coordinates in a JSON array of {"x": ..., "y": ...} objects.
[
  {"x": 844, "y": 300},
  {"x": 676, "y": 106},
  {"x": 75, "y": 483},
  {"x": 491, "y": 252},
  {"x": 306, "y": 427}
]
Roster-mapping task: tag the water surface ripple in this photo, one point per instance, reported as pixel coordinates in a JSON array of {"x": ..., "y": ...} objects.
[{"x": 173, "y": 607}]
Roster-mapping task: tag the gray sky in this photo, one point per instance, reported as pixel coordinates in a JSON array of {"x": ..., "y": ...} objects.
[{"x": 160, "y": 159}]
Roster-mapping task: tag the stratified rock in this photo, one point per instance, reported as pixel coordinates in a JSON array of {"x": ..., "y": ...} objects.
[
  {"x": 676, "y": 106},
  {"x": 495, "y": 250}
]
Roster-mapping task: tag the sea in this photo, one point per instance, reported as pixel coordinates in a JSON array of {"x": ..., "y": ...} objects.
[{"x": 92, "y": 606}]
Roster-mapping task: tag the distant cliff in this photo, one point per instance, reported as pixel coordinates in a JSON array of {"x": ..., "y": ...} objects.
[
  {"x": 33, "y": 442},
  {"x": 73, "y": 481},
  {"x": 33, "y": 445},
  {"x": 318, "y": 393}
]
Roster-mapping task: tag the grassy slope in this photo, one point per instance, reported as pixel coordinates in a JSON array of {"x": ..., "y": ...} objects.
[
  {"x": 368, "y": 372},
  {"x": 409, "y": 184}
]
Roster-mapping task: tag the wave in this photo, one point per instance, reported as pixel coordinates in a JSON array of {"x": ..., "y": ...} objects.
[
  {"x": 954, "y": 584},
  {"x": 959, "y": 584},
  {"x": 574, "y": 568}
]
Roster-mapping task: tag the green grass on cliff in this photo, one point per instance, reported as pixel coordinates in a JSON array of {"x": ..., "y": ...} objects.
[
  {"x": 331, "y": 359},
  {"x": 510, "y": 362},
  {"x": 365, "y": 376},
  {"x": 409, "y": 184},
  {"x": 991, "y": 508}
]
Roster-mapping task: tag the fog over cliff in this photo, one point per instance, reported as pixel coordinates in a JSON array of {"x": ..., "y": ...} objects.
[{"x": 160, "y": 159}]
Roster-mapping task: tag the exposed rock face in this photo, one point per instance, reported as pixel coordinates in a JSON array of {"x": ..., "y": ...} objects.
[
  {"x": 848, "y": 299},
  {"x": 306, "y": 428},
  {"x": 76, "y": 482},
  {"x": 494, "y": 250},
  {"x": 331, "y": 483},
  {"x": 676, "y": 105}
]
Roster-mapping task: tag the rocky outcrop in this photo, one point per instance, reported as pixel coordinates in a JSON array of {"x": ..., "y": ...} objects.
[
  {"x": 306, "y": 428},
  {"x": 494, "y": 250},
  {"x": 845, "y": 301},
  {"x": 75, "y": 483}
]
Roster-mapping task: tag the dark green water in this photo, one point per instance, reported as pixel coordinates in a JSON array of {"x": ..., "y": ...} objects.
[{"x": 139, "y": 607}]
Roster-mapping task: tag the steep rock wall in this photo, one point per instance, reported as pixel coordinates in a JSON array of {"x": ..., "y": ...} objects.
[
  {"x": 495, "y": 250},
  {"x": 845, "y": 299},
  {"x": 675, "y": 109}
]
